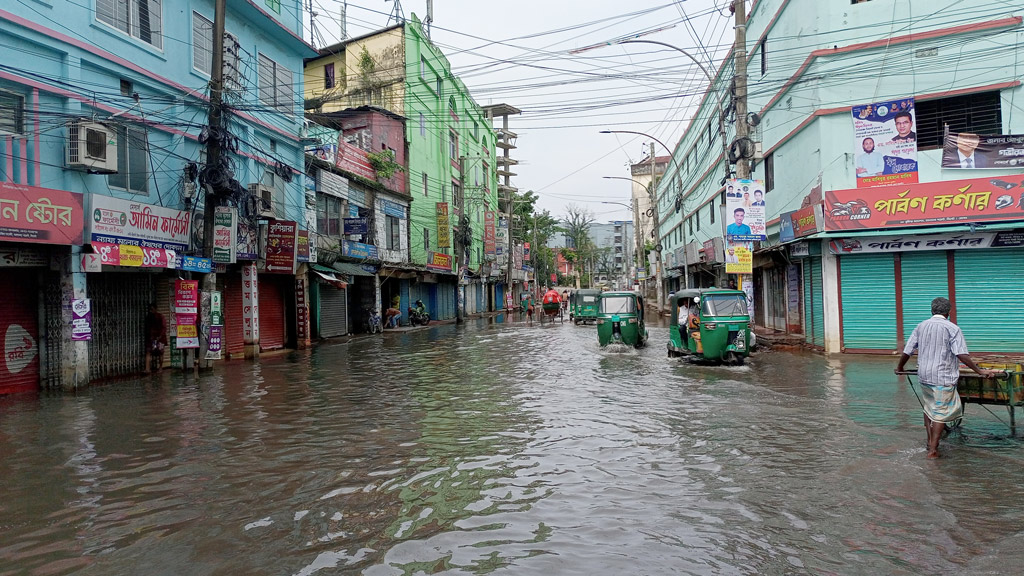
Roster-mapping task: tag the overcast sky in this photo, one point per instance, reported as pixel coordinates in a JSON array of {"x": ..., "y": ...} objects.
[{"x": 518, "y": 52}]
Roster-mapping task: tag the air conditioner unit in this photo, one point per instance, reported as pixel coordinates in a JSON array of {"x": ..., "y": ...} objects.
[
  {"x": 265, "y": 199},
  {"x": 92, "y": 147}
]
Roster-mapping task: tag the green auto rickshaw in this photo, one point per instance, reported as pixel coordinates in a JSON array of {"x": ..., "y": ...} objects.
[
  {"x": 710, "y": 324},
  {"x": 620, "y": 319},
  {"x": 584, "y": 305}
]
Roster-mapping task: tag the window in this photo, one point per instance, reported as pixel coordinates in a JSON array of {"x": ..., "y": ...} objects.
[
  {"x": 453, "y": 146},
  {"x": 423, "y": 125},
  {"x": 689, "y": 223},
  {"x": 476, "y": 130},
  {"x": 711, "y": 134},
  {"x": 711, "y": 211},
  {"x": 451, "y": 106},
  {"x": 394, "y": 236},
  {"x": 202, "y": 51},
  {"x": 424, "y": 183},
  {"x": 132, "y": 161},
  {"x": 769, "y": 172},
  {"x": 328, "y": 215},
  {"x": 426, "y": 239},
  {"x": 764, "y": 56},
  {"x": 697, "y": 215},
  {"x": 440, "y": 86},
  {"x": 274, "y": 5},
  {"x": 486, "y": 176},
  {"x": 456, "y": 195},
  {"x": 127, "y": 89},
  {"x": 137, "y": 18},
  {"x": 978, "y": 113},
  {"x": 423, "y": 68},
  {"x": 328, "y": 76},
  {"x": 275, "y": 85},
  {"x": 12, "y": 113}
]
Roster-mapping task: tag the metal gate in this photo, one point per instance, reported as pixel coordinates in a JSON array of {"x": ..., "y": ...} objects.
[
  {"x": 119, "y": 303},
  {"x": 53, "y": 300},
  {"x": 924, "y": 277},
  {"x": 19, "y": 332},
  {"x": 869, "y": 302},
  {"x": 988, "y": 297},
  {"x": 234, "y": 330},
  {"x": 814, "y": 309},
  {"x": 333, "y": 311},
  {"x": 272, "y": 310}
]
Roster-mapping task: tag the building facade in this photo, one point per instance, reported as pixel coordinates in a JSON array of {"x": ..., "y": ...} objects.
[
  {"x": 855, "y": 251},
  {"x": 102, "y": 179}
]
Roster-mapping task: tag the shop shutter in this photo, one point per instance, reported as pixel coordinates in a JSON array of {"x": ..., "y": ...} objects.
[
  {"x": 120, "y": 302},
  {"x": 333, "y": 311},
  {"x": 869, "y": 302},
  {"x": 814, "y": 311},
  {"x": 19, "y": 332},
  {"x": 988, "y": 299},
  {"x": 925, "y": 277},
  {"x": 234, "y": 333},
  {"x": 271, "y": 299}
]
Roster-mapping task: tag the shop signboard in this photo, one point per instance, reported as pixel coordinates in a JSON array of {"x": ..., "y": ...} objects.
[
  {"x": 81, "y": 320},
  {"x": 282, "y": 237},
  {"x": 979, "y": 200},
  {"x": 444, "y": 238},
  {"x": 302, "y": 246},
  {"x": 745, "y": 205},
  {"x": 40, "y": 215},
  {"x": 19, "y": 256},
  {"x": 885, "y": 143},
  {"x": 739, "y": 257},
  {"x": 920, "y": 243},
  {"x": 490, "y": 236},
  {"x": 134, "y": 256},
  {"x": 195, "y": 264},
  {"x": 983, "y": 152},
  {"x": 225, "y": 235},
  {"x": 355, "y": 160},
  {"x": 439, "y": 262},
  {"x": 359, "y": 250},
  {"x": 710, "y": 254},
  {"x": 216, "y": 308},
  {"x": 215, "y": 343},
  {"x": 806, "y": 221},
  {"x": 526, "y": 251},
  {"x": 786, "y": 233},
  {"x": 357, "y": 226},
  {"x": 186, "y": 310},
  {"x": 116, "y": 221},
  {"x": 799, "y": 250},
  {"x": 393, "y": 209}
]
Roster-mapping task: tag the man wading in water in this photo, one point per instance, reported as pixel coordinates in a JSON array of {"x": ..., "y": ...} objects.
[{"x": 940, "y": 348}]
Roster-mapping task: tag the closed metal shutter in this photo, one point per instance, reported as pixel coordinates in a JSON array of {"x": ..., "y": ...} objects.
[
  {"x": 869, "y": 302},
  {"x": 234, "y": 333},
  {"x": 814, "y": 311},
  {"x": 988, "y": 299},
  {"x": 333, "y": 311},
  {"x": 271, "y": 299},
  {"x": 19, "y": 332},
  {"x": 925, "y": 277},
  {"x": 119, "y": 308},
  {"x": 53, "y": 297}
]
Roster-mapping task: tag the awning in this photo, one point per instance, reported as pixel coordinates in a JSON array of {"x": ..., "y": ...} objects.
[
  {"x": 914, "y": 230},
  {"x": 330, "y": 278},
  {"x": 350, "y": 269}
]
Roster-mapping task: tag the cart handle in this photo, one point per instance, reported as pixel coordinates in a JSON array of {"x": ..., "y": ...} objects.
[{"x": 1002, "y": 375}]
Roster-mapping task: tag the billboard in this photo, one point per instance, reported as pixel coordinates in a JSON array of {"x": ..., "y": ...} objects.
[
  {"x": 966, "y": 150},
  {"x": 885, "y": 143},
  {"x": 444, "y": 231},
  {"x": 43, "y": 215},
  {"x": 745, "y": 210}
]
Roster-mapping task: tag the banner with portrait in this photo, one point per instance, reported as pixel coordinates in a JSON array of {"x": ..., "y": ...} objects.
[
  {"x": 885, "y": 143},
  {"x": 745, "y": 210},
  {"x": 966, "y": 150},
  {"x": 739, "y": 257}
]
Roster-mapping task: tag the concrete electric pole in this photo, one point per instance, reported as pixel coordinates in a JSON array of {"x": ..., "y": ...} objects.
[
  {"x": 740, "y": 80},
  {"x": 658, "y": 275}
]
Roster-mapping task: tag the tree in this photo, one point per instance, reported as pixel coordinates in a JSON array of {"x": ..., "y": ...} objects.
[{"x": 577, "y": 224}]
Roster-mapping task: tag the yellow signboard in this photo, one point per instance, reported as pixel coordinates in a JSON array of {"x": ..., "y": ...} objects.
[
  {"x": 131, "y": 255},
  {"x": 444, "y": 231},
  {"x": 739, "y": 257}
]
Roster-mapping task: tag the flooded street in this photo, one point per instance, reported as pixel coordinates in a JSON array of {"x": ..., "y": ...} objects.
[{"x": 500, "y": 448}]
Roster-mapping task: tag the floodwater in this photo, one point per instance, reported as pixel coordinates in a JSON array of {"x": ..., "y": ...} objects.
[{"x": 501, "y": 448}]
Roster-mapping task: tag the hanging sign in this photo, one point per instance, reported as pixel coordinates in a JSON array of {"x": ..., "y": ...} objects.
[
  {"x": 490, "y": 236},
  {"x": 282, "y": 237},
  {"x": 739, "y": 257},
  {"x": 186, "y": 311},
  {"x": 40, "y": 215},
  {"x": 744, "y": 203},
  {"x": 302, "y": 246},
  {"x": 357, "y": 225},
  {"x": 216, "y": 308},
  {"x": 444, "y": 238},
  {"x": 526, "y": 251},
  {"x": 215, "y": 343},
  {"x": 81, "y": 320},
  {"x": 439, "y": 262},
  {"x": 225, "y": 235}
]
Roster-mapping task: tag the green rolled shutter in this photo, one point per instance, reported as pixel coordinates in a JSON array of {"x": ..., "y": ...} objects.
[
  {"x": 814, "y": 309},
  {"x": 925, "y": 277},
  {"x": 989, "y": 298},
  {"x": 869, "y": 301}
]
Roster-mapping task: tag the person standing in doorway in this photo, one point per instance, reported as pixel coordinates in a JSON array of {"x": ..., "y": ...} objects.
[
  {"x": 156, "y": 339},
  {"x": 940, "y": 348}
]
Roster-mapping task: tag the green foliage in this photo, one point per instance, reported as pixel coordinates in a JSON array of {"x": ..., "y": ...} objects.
[
  {"x": 384, "y": 164},
  {"x": 366, "y": 65}
]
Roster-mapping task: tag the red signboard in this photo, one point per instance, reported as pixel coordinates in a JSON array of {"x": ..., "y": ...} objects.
[
  {"x": 282, "y": 238},
  {"x": 353, "y": 159},
  {"x": 805, "y": 221},
  {"x": 490, "y": 246},
  {"x": 302, "y": 251},
  {"x": 979, "y": 200},
  {"x": 42, "y": 215},
  {"x": 440, "y": 262}
]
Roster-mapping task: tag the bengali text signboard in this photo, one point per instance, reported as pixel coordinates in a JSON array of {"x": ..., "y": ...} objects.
[
  {"x": 490, "y": 237},
  {"x": 40, "y": 215},
  {"x": 444, "y": 238},
  {"x": 126, "y": 222},
  {"x": 439, "y": 262},
  {"x": 885, "y": 143},
  {"x": 282, "y": 239},
  {"x": 186, "y": 312}
]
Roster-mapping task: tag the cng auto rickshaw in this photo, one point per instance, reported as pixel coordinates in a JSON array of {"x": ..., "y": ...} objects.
[
  {"x": 710, "y": 324},
  {"x": 584, "y": 305},
  {"x": 620, "y": 319}
]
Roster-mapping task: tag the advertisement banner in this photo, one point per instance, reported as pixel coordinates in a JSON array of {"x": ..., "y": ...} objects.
[
  {"x": 125, "y": 255},
  {"x": 444, "y": 233},
  {"x": 195, "y": 264},
  {"x": 116, "y": 221},
  {"x": 526, "y": 251},
  {"x": 739, "y": 257},
  {"x": 358, "y": 226},
  {"x": 439, "y": 262},
  {"x": 81, "y": 320},
  {"x": 225, "y": 235},
  {"x": 282, "y": 237},
  {"x": 247, "y": 247},
  {"x": 744, "y": 204},
  {"x": 186, "y": 311},
  {"x": 501, "y": 238},
  {"x": 980, "y": 200},
  {"x": 215, "y": 343},
  {"x": 786, "y": 233},
  {"x": 359, "y": 250},
  {"x": 912, "y": 243},
  {"x": 710, "y": 254},
  {"x": 806, "y": 221},
  {"x": 216, "y": 308},
  {"x": 302, "y": 246},
  {"x": 973, "y": 151},
  {"x": 490, "y": 236},
  {"x": 41, "y": 215},
  {"x": 885, "y": 143}
]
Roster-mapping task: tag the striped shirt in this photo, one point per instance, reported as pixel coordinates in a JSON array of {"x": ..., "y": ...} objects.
[{"x": 938, "y": 342}]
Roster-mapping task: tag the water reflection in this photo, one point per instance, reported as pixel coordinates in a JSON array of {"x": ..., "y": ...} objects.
[{"x": 499, "y": 447}]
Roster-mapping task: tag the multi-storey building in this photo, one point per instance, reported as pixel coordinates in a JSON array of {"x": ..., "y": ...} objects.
[
  {"x": 615, "y": 258},
  {"x": 103, "y": 113},
  {"x": 450, "y": 173},
  {"x": 857, "y": 248}
]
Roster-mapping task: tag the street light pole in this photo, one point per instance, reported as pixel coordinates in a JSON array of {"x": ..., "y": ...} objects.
[{"x": 636, "y": 212}]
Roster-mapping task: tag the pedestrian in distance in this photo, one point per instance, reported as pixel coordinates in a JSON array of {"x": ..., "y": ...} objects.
[
  {"x": 940, "y": 347},
  {"x": 156, "y": 339}
]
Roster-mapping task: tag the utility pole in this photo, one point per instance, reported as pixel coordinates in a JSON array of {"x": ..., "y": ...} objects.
[
  {"x": 740, "y": 79},
  {"x": 213, "y": 158},
  {"x": 658, "y": 275},
  {"x": 508, "y": 253}
]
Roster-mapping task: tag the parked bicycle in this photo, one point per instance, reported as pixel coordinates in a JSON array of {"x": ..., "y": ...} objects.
[{"x": 373, "y": 322}]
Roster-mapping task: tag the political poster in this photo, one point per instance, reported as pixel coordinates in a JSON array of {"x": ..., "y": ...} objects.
[
  {"x": 969, "y": 151},
  {"x": 739, "y": 257},
  {"x": 885, "y": 143},
  {"x": 745, "y": 210}
]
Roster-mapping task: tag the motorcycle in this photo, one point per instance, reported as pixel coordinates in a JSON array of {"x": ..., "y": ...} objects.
[
  {"x": 418, "y": 318},
  {"x": 373, "y": 322}
]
